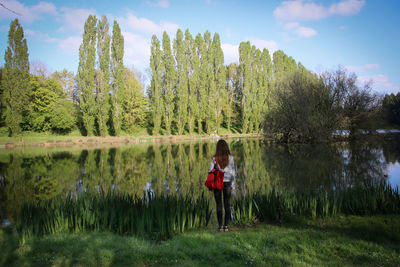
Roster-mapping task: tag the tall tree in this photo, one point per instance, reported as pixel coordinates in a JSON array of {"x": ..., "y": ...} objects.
[
  {"x": 86, "y": 75},
  {"x": 133, "y": 103},
  {"x": 265, "y": 97},
  {"x": 103, "y": 75},
  {"x": 168, "y": 83},
  {"x": 155, "y": 92},
  {"x": 245, "y": 70},
  {"x": 232, "y": 87},
  {"x": 210, "y": 84},
  {"x": 181, "y": 82},
  {"x": 117, "y": 74},
  {"x": 202, "y": 97},
  {"x": 220, "y": 81},
  {"x": 15, "y": 76},
  {"x": 192, "y": 73}
]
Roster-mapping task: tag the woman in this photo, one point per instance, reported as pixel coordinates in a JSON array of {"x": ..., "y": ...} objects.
[{"x": 225, "y": 163}]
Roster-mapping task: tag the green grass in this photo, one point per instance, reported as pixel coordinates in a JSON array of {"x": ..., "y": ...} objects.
[{"x": 342, "y": 241}]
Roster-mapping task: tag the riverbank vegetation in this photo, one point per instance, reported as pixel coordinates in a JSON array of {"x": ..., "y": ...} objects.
[
  {"x": 189, "y": 91},
  {"x": 163, "y": 216}
]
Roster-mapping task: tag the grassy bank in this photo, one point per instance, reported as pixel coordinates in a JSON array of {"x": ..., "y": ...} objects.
[
  {"x": 75, "y": 139},
  {"x": 339, "y": 241}
]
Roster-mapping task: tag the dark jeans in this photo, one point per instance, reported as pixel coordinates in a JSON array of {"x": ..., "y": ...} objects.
[{"x": 227, "y": 191}]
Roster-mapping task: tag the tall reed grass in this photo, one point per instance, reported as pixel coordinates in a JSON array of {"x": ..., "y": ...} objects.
[
  {"x": 365, "y": 199},
  {"x": 156, "y": 217},
  {"x": 162, "y": 216}
]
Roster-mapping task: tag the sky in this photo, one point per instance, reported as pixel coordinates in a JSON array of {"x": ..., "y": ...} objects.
[{"x": 361, "y": 35}]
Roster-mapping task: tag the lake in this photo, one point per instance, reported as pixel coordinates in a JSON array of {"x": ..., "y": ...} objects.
[{"x": 34, "y": 174}]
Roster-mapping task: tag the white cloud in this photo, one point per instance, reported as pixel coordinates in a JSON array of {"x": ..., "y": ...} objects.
[
  {"x": 307, "y": 10},
  {"x": 147, "y": 26},
  {"x": 39, "y": 36},
  {"x": 363, "y": 67},
  {"x": 28, "y": 14},
  {"x": 271, "y": 45},
  {"x": 300, "y": 30},
  {"x": 169, "y": 27},
  {"x": 305, "y": 32},
  {"x": 346, "y": 7},
  {"x": 380, "y": 83},
  {"x": 231, "y": 53},
  {"x": 74, "y": 19},
  {"x": 158, "y": 3},
  {"x": 70, "y": 45},
  {"x": 137, "y": 50}
]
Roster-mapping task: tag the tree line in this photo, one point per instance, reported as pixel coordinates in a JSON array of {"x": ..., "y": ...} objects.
[{"x": 190, "y": 91}]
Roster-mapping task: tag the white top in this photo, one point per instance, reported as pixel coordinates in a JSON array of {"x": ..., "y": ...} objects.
[{"x": 229, "y": 170}]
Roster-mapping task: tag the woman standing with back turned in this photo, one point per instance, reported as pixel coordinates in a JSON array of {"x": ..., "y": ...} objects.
[{"x": 225, "y": 163}]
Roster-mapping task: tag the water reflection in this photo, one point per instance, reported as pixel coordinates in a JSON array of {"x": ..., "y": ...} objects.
[{"x": 182, "y": 169}]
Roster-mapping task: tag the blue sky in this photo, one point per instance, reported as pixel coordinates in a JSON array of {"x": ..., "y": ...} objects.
[{"x": 362, "y": 35}]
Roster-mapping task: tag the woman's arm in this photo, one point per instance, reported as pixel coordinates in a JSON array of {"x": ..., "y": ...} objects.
[
  {"x": 212, "y": 164},
  {"x": 230, "y": 169}
]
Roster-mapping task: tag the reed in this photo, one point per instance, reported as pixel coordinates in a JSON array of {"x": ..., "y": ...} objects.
[
  {"x": 156, "y": 217},
  {"x": 364, "y": 199},
  {"x": 162, "y": 216}
]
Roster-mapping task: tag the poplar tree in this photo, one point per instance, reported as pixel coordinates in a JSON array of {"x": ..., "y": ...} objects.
[
  {"x": 266, "y": 85},
  {"x": 233, "y": 92},
  {"x": 192, "y": 73},
  {"x": 103, "y": 75},
  {"x": 245, "y": 70},
  {"x": 210, "y": 84},
  {"x": 220, "y": 81},
  {"x": 202, "y": 96},
  {"x": 155, "y": 94},
  {"x": 15, "y": 75},
  {"x": 283, "y": 65},
  {"x": 168, "y": 82},
  {"x": 117, "y": 74},
  {"x": 181, "y": 99},
  {"x": 86, "y": 75}
]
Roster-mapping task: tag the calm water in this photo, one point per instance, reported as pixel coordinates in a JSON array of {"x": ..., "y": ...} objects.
[{"x": 41, "y": 174}]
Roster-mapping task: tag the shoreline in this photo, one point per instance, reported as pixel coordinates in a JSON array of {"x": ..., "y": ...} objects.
[{"x": 71, "y": 141}]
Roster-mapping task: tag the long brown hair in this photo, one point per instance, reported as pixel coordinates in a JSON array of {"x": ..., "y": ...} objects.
[{"x": 222, "y": 154}]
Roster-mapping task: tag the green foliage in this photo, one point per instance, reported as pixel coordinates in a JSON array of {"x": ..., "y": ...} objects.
[
  {"x": 86, "y": 75},
  {"x": 42, "y": 104},
  {"x": 220, "y": 81},
  {"x": 192, "y": 73},
  {"x": 103, "y": 75},
  {"x": 356, "y": 108},
  {"x": 15, "y": 79},
  {"x": 155, "y": 91},
  {"x": 49, "y": 110},
  {"x": 117, "y": 73},
  {"x": 182, "y": 93},
  {"x": 391, "y": 108},
  {"x": 302, "y": 112},
  {"x": 168, "y": 82},
  {"x": 67, "y": 80},
  {"x": 63, "y": 118},
  {"x": 133, "y": 103}
]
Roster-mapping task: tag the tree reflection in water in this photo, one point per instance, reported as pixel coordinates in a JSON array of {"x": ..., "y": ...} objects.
[{"x": 182, "y": 169}]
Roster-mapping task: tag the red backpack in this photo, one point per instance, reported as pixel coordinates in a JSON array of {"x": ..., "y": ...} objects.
[{"x": 215, "y": 179}]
